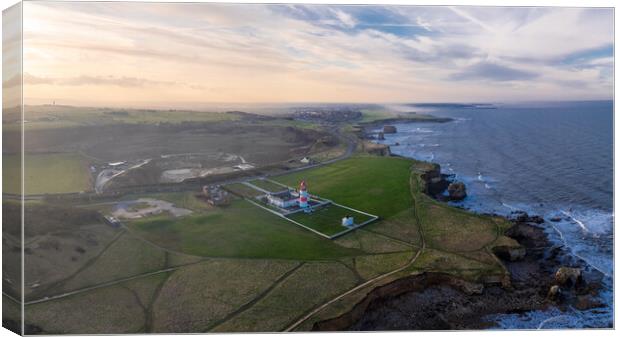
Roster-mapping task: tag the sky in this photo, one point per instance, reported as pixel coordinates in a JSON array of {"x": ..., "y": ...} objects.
[{"x": 175, "y": 54}]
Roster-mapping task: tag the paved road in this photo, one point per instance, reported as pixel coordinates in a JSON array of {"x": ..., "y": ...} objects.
[{"x": 107, "y": 175}]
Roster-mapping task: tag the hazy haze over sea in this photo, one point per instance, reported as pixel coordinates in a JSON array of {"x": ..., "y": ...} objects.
[{"x": 550, "y": 159}]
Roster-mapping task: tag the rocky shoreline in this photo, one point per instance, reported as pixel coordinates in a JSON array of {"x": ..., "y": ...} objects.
[{"x": 541, "y": 277}]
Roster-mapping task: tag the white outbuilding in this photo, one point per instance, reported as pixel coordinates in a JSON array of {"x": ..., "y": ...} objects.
[{"x": 348, "y": 221}]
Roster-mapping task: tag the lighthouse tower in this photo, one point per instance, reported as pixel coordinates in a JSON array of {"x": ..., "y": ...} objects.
[{"x": 303, "y": 195}]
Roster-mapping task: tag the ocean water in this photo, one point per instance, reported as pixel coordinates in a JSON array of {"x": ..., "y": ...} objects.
[{"x": 549, "y": 159}]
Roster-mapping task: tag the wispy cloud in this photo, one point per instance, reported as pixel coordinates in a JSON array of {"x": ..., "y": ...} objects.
[
  {"x": 492, "y": 72},
  {"x": 181, "y": 51},
  {"x": 123, "y": 81}
]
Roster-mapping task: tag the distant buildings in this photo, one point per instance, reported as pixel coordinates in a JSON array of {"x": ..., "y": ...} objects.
[
  {"x": 327, "y": 114},
  {"x": 112, "y": 221},
  {"x": 214, "y": 195}
]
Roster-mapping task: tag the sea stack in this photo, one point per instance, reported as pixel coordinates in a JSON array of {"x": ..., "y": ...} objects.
[
  {"x": 457, "y": 191},
  {"x": 389, "y": 129}
]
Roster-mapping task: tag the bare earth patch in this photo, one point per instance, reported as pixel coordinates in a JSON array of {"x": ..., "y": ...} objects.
[{"x": 145, "y": 207}]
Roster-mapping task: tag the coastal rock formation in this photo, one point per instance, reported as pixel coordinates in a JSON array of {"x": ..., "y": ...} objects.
[
  {"x": 521, "y": 216},
  {"x": 537, "y": 219},
  {"x": 554, "y": 293},
  {"x": 389, "y": 129},
  {"x": 527, "y": 234},
  {"x": 567, "y": 276},
  {"x": 377, "y": 149},
  {"x": 380, "y": 136},
  {"x": 435, "y": 182},
  {"x": 457, "y": 191},
  {"x": 422, "y": 284},
  {"x": 585, "y": 302},
  {"x": 509, "y": 253},
  {"x": 432, "y": 301}
]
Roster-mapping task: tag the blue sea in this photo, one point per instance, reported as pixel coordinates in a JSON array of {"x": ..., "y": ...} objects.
[{"x": 549, "y": 159}]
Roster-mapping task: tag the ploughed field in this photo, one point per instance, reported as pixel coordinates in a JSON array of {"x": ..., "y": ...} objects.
[{"x": 240, "y": 267}]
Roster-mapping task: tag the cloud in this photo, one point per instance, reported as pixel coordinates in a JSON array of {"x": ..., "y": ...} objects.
[
  {"x": 492, "y": 72},
  {"x": 279, "y": 52},
  {"x": 123, "y": 81},
  {"x": 11, "y": 82},
  {"x": 585, "y": 56},
  {"x": 345, "y": 19}
]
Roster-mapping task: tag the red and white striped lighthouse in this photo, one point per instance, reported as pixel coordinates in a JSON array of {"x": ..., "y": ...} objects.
[{"x": 303, "y": 194}]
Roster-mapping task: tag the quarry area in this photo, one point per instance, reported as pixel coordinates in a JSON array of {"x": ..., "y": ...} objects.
[{"x": 223, "y": 222}]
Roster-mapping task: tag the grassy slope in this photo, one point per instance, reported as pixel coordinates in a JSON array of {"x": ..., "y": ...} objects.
[
  {"x": 111, "y": 310},
  {"x": 46, "y": 173},
  {"x": 199, "y": 296},
  {"x": 113, "y": 264},
  {"x": 309, "y": 286}
]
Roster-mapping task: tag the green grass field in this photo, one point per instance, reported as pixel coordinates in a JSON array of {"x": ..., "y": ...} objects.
[
  {"x": 239, "y": 230},
  {"x": 243, "y": 190},
  {"x": 371, "y": 115},
  {"x": 46, "y": 173},
  {"x": 197, "y": 297},
  {"x": 267, "y": 185},
  {"x": 111, "y": 310},
  {"x": 266, "y": 272},
  {"x": 309, "y": 286},
  {"x": 327, "y": 219},
  {"x": 112, "y": 264},
  {"x": 377, "y": 185}
]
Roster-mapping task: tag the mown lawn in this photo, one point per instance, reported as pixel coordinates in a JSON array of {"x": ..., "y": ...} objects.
[
  {"x": 46, "y": 173},
  {"x": 328, "y": 219},
  {"x": 377, "y": 185},
  {"x": 239, "y": 230}
]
